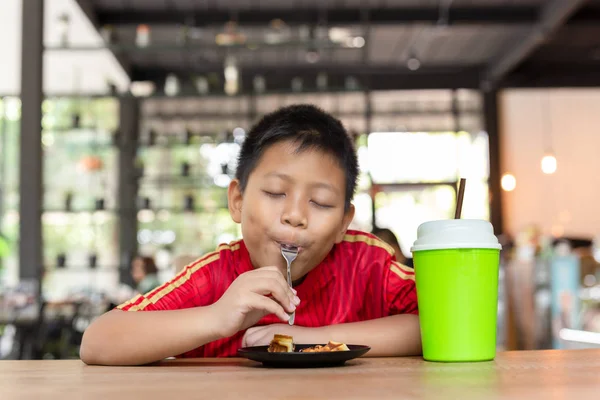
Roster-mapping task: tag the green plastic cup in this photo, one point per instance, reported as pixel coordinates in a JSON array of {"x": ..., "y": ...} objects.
[{"x": 456, "y": 272}]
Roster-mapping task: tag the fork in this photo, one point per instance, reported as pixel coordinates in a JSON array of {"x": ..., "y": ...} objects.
[{"x": 289, "y": 253}]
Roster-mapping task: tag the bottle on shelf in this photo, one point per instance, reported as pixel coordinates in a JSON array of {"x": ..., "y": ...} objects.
[
  {"x": 76, "y": 120},
  {"x": 99, "y": 204},
  {"x": 146, "y": 203},
  {"x": 139, "y": 165},
  {"x": 152, "y": 137},
  {"x": 189, "y": 202},
  {"x": 142, "y": 35},
  {"x": 68, "y": 201},
  {"x": 61, "y": 260},
  {"x": 188, "y": 137},
  {"x": 108, "y": 34},
  {"x": 63, "y": 25},
  {"x": 185, "y": 169},
  {"x": 116, "y": 135},
  {"x": 93, "y": 260}
]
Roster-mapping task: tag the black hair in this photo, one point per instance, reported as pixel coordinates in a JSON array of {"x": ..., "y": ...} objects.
[
  {"x": 309, "y": 127},
  {"x": 386, "y": 235},
  {"x": 149, "y": 265}
]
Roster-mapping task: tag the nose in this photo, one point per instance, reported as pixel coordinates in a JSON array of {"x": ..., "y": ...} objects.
[{"x": 294, "y": 214}]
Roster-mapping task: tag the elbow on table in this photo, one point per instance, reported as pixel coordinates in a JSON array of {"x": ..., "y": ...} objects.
[{"x": 90, "y": 352}]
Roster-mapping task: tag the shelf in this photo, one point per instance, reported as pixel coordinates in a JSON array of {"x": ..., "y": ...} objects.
[
  {"x": 79, "y": 269},
  {"x": 197, "y": 116},
  {"x": 181, "y": 210},
  {"x": 193, "y": 94},
  {"x": 81, "y": 211},
  {"x": 360, "y": 114},
  {"x": 197, "y": 180},
  {"x": 75, "y": 129},
  {"x": 200, "y": 46},
  {"x": 409, "y": 113},
  {"x": 412, "y": 186},
  {"x": 159, "y": 146}
]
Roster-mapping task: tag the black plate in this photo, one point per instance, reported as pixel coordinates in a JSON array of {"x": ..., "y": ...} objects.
[{"x": 302, "y": 360}]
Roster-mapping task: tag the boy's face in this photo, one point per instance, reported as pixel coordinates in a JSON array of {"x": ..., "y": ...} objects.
[{"x": 291, "y": 198}]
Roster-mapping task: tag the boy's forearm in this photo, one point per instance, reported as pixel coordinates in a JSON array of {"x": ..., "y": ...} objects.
[
  {"x": 141, "y": 337},
  {"x": 397, "y": 335}
]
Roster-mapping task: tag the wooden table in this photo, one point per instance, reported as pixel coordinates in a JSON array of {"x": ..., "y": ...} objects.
[{"x": 573, "y": 374}]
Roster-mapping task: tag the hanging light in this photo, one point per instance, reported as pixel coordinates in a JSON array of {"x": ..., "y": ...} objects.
[
  {"x": 549, "y": 164},
  {"x": 508, "y": 182}
]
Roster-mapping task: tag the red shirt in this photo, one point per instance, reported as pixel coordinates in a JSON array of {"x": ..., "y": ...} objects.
[{"x": 357, "y": 281}]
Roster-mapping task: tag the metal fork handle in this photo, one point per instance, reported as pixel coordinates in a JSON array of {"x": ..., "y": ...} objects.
[{"x": 289, "y": 280}]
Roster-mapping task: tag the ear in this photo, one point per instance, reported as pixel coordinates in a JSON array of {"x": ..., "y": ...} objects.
[
  {"x": 348, "y": 217},
  {"x": 234, "y": 200}
]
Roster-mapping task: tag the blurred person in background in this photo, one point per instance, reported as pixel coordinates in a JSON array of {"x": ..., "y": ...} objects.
[
  {"x": 388, "y": 236},
  {"x": 145, "y": 274}
]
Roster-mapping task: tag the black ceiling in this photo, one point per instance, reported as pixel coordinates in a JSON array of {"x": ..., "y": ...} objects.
[{"x": 460, "y": 43}]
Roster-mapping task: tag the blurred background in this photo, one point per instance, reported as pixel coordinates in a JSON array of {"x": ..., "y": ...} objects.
[{"x": 121, "y": 120}]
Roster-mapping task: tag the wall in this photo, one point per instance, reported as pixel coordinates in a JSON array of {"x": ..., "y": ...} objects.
[
  {"x": 64, "y": 71},
  {"x": 567, "y": 202}
]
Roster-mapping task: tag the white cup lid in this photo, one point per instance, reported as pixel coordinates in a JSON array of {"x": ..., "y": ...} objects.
[{"x": 456, "y": 234}]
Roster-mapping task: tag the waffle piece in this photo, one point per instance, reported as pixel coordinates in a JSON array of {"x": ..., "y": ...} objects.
[
  {"x": 281, "y": 344},
  {"x": 329, "y": 347}
]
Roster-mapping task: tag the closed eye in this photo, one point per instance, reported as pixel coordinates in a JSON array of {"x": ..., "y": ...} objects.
[
  {"x": 274, "y": 195},
  {"x": 319, "y": 205}
]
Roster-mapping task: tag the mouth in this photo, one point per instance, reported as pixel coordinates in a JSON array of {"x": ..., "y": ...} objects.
[{"x": 290, "y": 245}]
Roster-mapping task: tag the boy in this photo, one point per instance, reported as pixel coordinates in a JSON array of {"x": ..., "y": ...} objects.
[{"x": 295, "y": 180}]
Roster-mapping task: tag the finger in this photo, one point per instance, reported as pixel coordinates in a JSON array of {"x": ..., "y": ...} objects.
[
  {"x": 268, "y": 305},
  {"x": 270, "y": 272},
  {"x": 274, "y": 287},
  {"x": 276, "y": 274}
]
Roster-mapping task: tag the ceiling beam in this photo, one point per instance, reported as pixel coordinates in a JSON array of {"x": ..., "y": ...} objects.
[
  {"x": 587, "y": 15},
  {"x": 514, "y": 14},
  {"x": 535, "y": 75},
  {"x": 553, "y": 15}
]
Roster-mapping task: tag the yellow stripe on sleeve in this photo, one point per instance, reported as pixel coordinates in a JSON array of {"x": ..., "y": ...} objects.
[
  {"x": 396, "y": 268},
  {"x": 370, "y": 241},
  {"x": 128, "y": 302},
  {"x": 184, "y": 276}
]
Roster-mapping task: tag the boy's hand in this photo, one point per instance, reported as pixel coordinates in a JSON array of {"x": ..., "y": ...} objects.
[{"x": 253, "y": 295}]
